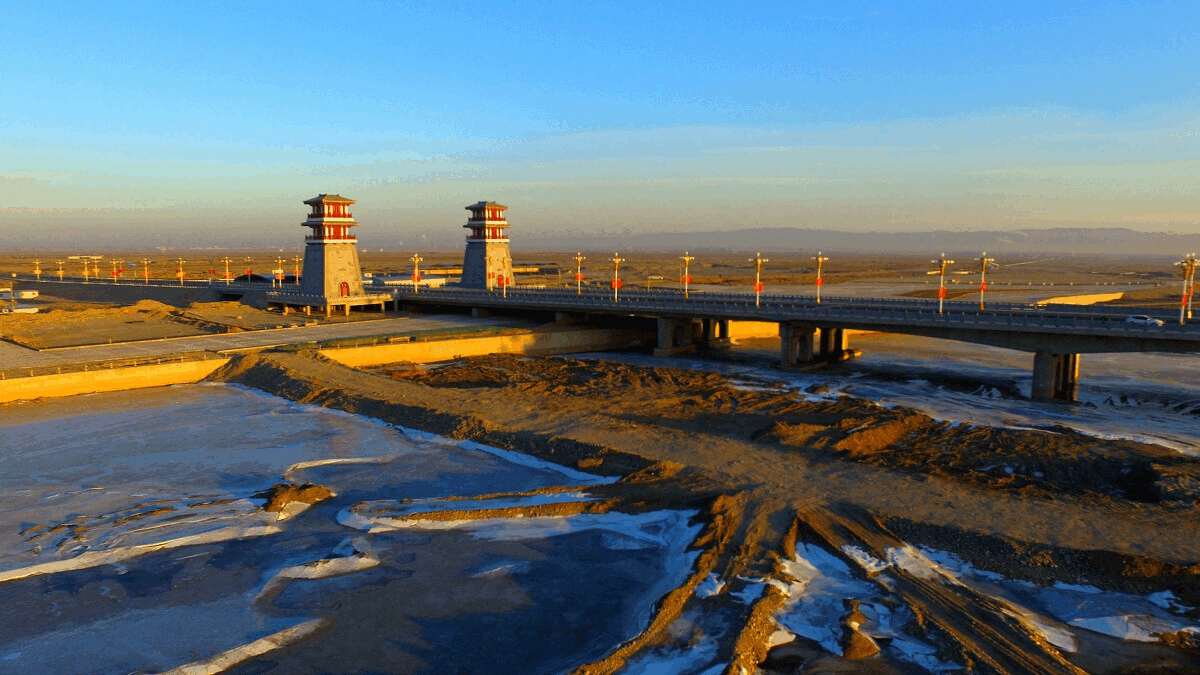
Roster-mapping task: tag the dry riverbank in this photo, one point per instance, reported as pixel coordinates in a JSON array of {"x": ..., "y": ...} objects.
[{"x": 771, "y": 469}]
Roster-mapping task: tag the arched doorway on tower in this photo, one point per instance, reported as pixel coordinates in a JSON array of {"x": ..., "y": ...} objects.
[{"x": 345, "y": 289}]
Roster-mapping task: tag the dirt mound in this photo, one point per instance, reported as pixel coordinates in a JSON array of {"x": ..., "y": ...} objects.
[{"x": 280, "y": 495}]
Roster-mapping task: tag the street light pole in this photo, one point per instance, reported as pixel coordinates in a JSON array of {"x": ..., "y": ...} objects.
[
  {"x": 820, "y": 279},
  {"x": 60, "y": 270},
  {"x": 687, "y": 278},
  {"x": 146, "y": 271},
  {"x": 1188, "y": 267},
  {"x": 942, "y": 264},
  {"x": 37, "y": 269},
  {"x": 984, "y": 261},
  {"x": 227, "y": 261},
  {"x": 113, "y": 263},
  {"x": 758, "y": 261},
  {"x": 416, "y": 276},
  {"x": 296, "y": 269},
  {"x": 616, "y": 282},
  {"x": 179, "y": 270},
  {"x": 579, "y": 273}
]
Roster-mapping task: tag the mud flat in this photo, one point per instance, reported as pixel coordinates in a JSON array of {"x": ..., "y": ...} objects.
[{"x": 838, "y": 535}]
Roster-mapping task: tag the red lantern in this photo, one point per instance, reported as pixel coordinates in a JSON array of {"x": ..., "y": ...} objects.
[
  {"x": 579, "y": 276},
  {"x": 501, "y": 281},
  {"x": 616, "y": 284},
  {"x": 758, "y": 287},
  {"x": 416, "y": 277},
  {"x": 983, "y": 286},
  {"x": 942, "y": 292},
  {"x": 820, "y": 281},
  {"x": 687, "y": 279}
]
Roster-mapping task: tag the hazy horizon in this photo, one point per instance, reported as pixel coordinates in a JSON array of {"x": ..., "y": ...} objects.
[{"x": 174, "y": 126}]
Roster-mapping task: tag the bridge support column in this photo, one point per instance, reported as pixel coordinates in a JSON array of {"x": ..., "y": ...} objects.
[
  {"x": 1055, "y": 377},
  {"x": 714, "y": 333},
  {"x": 796, "y": 344},
  {"x": 834, "y": 343},
  {"x": 674, "y": 336}
]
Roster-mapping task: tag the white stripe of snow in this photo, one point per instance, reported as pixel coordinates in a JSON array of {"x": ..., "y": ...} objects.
[
  {"x": 86, "y": 560},
  {"x": 227, "y": 660}
]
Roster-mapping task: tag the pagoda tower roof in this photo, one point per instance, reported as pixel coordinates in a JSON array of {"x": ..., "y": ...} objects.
[{"x": 328, "y": 199}]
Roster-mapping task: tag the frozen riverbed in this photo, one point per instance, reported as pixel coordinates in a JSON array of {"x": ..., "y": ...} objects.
[
  {"x": 130, "y": 541},
  {"x": 1154, "y": 398}
]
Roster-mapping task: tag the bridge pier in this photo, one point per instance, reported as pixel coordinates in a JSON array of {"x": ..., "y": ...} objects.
[
  {"x": 803, "y": 343},
  {"x": 675, "y": 336},
  {"x": 834, "y": 343},
  {"x": 796, "y": 343},
  {"x": 714, "y": 333},
  {"x": 1055, "y": 376}
]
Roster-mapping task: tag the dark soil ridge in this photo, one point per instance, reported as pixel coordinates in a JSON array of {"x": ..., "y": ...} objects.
[{"x": 270, "y": 376}]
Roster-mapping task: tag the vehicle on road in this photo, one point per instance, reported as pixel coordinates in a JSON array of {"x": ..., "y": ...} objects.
[{"x": 1143, "y": 320}]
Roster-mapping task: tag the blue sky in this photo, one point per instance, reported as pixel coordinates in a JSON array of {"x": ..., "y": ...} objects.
[{"x": 583, "y": 116}]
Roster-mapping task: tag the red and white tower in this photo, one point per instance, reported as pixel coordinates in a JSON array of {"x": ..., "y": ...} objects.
[
  {"x": 487, "y": 260},
  {"x": 331, "y": 268}
]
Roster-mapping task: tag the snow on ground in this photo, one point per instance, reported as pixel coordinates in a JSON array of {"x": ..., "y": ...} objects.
[{"x": 816, "y": 605}]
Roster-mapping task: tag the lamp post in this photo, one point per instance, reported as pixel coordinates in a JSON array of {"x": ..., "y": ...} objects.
[
  {"x": 226, "y": 260},
  {"x": 416, "y": 275},
  {"x": 758, "y": 261},
  {"x": 278, "y": 272},
  {"x": 942, "y": 264},
  {"x": 579, "y": 273},
  {"x": 503, "y": 280},
  {"x": 179, "y": 269},
  {"x": 86, "y": 271},
  {"x": 60, "y": 270},
  {"x": 686, "y": 279},
  {"x": 1188, "y": 267},
  {"x": 984, "y": 261},
  {"x": 37, "y": 269},
  {"x": 146, "y": 271},
  {"x": 821, "y": 260},
  {"x": 114, "y": 271},
  {"x": 616, "y": 280},
  {"x": 96, "y": 265},
  {"x": 296, "y": 269}
]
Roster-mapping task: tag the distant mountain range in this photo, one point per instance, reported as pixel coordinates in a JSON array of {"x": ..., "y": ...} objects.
[{"x": 1083, "y": 241}]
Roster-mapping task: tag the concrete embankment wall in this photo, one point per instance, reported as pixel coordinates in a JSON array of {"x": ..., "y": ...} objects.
[
  {"x": 1082, "y": 299},
  {"x": 114, "y": 379},
  {"x": 96, "y": 291},
  {"x": 557, "y": 342}
]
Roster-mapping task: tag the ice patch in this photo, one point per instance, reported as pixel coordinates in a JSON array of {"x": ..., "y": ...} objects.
[
  {"x": 531, "y": 462},
  {"x": 712, "y": 585},
  {"x": 751, "y": 592},
  {"x": 111, "y": 556},
  {"x": 818, "y": 598},
  {"x": 675, "y": 661},
  {"x": 227, "y": 660},
  {"x": 870, "y": 564}
]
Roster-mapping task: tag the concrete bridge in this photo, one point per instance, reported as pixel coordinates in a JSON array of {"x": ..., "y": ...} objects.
[
  {"x": 810, "y": 331},
  {"x": 1056, "y": 335}
]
